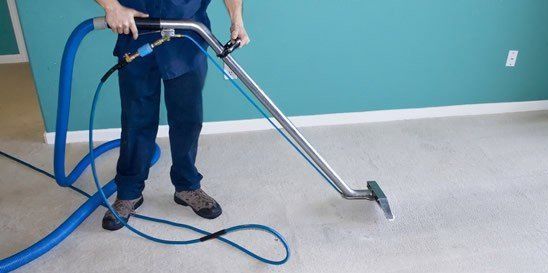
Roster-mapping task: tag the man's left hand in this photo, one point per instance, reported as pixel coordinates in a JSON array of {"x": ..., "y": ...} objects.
[{"x": 237, "y": 31}]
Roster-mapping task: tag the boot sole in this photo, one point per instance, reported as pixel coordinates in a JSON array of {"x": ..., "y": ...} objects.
[
  {"x": 183, "y": 203},
  {"x": 120, "y": 225}
]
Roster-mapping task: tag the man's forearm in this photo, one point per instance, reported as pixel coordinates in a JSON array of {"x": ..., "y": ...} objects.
[
  {"x": 108, "y": 4},
  {"x": 237, "y": 28},
  {"x": 234, "y": 8}
]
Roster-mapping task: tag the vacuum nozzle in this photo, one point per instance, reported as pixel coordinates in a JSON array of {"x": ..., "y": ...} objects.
[{"x": 380, "y": 198}]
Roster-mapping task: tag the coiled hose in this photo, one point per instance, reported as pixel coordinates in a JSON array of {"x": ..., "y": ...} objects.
[{"x": 100, "y": 197}]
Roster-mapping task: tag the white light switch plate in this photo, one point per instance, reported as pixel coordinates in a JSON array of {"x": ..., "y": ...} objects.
[
  {"x": 512, "y": 58},
  {"x": 229, "y": 72}
]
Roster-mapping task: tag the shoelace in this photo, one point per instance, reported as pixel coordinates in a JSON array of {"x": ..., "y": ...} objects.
[
  {"x": 198, "y": 198},
  {"x": 123, "y": 207}
]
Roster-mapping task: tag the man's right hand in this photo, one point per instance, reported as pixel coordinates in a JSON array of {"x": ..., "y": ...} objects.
[{"x": 121, "y": 19}]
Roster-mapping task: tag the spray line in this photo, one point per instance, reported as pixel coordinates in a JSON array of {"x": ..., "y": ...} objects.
[
  {"x": 143, "y": 51},
  {"x": 41, "y": 247},
  {"x": 208, "y": 236}
]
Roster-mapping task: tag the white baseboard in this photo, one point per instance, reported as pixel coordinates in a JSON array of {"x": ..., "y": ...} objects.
[{"x": 248, "y": 125}]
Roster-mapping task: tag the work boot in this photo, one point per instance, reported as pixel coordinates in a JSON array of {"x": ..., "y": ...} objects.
[
  {"x": 124, "y": 208},
  {"x": 201, "y": 203}
]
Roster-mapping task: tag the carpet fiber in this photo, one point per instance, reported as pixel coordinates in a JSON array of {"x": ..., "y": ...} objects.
[{"x": 469, "y": 194}]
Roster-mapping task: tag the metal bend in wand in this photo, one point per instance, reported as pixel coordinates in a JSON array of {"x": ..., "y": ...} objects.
[{"x": 373, "y": 191}]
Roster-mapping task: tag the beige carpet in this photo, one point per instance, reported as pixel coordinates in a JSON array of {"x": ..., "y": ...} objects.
[{"x": 470, "y": 195}]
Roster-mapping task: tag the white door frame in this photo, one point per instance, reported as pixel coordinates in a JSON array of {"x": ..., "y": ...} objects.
[{"x": 22, "y": 56}]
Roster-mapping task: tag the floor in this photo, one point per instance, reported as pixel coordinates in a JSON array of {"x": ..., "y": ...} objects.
[{"x": 469, "y": 194}]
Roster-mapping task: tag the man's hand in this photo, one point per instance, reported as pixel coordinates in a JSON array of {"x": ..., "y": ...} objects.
[
  {"x": 121, "y": 19},
  {"x": 237, "y": 29}
]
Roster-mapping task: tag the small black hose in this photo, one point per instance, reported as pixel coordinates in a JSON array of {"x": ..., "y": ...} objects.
[{"x": 113, "y": 69}]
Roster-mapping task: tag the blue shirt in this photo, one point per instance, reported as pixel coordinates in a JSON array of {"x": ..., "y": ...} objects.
[{"x": 177, "y": 56}]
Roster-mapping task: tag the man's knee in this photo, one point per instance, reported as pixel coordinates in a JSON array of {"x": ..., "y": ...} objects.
[
  {"x": 190, "y": 126},
  {"x": 141, "y": 118},
  {"x": 140, "y": 123},
  {"x": 193, "y": 126}
]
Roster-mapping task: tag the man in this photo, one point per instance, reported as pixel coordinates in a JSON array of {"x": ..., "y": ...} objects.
[{"x": 182, "y": 67}]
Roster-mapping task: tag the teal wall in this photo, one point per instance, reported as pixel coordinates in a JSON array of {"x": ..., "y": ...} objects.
[
  {"x": 8, "y": 44},
  {"x": 317, "y": 57}
]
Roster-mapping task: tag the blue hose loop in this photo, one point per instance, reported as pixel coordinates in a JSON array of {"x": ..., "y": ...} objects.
[
  {"x": 74, "y": 220},
  {"x": 63, "y": 105},
  {"x": 62, "y": 231},
  {"x": 63, "y": 111},
  {"x": 59, "y": 234}
]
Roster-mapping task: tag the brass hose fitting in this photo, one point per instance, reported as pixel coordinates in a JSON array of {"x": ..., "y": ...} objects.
[{"x": 166, "y": 38}]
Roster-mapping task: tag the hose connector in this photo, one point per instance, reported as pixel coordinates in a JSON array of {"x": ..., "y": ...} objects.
[{"x": 142, "y": 51}]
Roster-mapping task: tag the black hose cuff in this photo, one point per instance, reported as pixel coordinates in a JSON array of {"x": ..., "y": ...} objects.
[{"x": 213, "y": 235}]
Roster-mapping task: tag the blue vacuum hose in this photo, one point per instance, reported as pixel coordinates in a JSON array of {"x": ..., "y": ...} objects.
[{"x": 100, "y": 197}]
